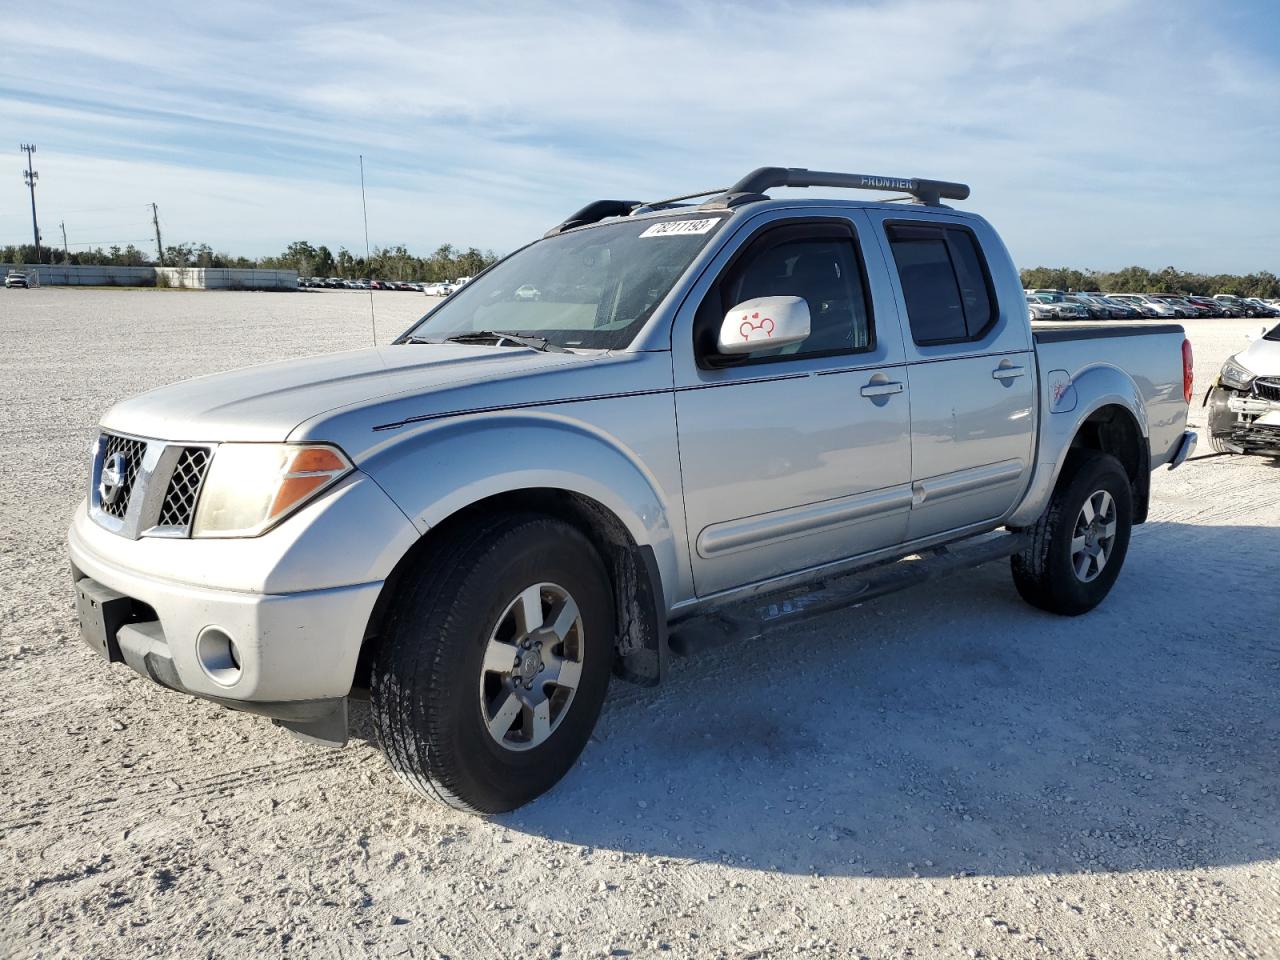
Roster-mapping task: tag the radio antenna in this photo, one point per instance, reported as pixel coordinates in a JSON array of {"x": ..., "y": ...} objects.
[{"x": 364, "y": 206}]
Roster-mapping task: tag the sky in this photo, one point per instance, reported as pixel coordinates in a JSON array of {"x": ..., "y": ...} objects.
[{"x": 1094, "y": 133}]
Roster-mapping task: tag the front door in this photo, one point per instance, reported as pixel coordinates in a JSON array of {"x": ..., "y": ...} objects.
[{"x": 798, "y": 456}]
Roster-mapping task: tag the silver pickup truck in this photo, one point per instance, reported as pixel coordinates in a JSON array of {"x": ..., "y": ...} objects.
[{"x": 661, "y": 425}]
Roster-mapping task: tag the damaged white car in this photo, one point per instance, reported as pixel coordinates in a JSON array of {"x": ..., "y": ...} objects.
[{"x": 1244, "y": 403}]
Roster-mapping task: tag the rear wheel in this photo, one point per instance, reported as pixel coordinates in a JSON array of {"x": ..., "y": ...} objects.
[
  {"x": 1079, "y": 543},
  {"x": 494, "y": 665}
]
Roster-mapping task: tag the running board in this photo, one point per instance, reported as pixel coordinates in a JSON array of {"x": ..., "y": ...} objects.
[{"x": 754, "y": 617}]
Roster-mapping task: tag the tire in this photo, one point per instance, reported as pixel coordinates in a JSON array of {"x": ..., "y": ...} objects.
[
  {"x": 1050, "y": 573},
  {"x": 1219, "y": 419},
  {"x": 439, "y": 674}
]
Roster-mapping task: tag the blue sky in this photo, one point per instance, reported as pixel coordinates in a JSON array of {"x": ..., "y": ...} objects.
[{"x": 1094, "y": 133}]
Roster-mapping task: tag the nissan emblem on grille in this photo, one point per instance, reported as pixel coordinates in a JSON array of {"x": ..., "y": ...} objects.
[
  {"x": 121, "y": 463},
  {"x": 114, "y": 470}
]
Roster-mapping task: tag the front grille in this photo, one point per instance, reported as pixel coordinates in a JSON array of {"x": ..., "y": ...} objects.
[
  {"x": 1267, "y": 388},
  {"x": 132, "y": 451},
  {"x": 179, "y": 505}
]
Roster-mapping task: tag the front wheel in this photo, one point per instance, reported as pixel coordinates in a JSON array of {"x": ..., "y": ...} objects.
[
  {"x": 494, "y": 664},
  {"x": 1079, "y": 543}
]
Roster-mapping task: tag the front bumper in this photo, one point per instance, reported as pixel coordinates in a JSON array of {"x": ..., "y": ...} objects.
[
  {"x": 1244, "y": 421},
  {"x": 293, "y": 651}
]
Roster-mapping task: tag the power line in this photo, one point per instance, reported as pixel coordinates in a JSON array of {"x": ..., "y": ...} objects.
[{"x": 92, "y": 243}]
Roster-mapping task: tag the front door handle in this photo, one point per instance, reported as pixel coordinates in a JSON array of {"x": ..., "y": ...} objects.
[
  {"x": 881, "y": 389},
  {"x": 1007, "y": 373}
]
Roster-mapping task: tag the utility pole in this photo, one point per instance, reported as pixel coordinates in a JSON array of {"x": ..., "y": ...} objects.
[
  {"x": 30, "y": 176},
  {"x": 155, "y": 219}
]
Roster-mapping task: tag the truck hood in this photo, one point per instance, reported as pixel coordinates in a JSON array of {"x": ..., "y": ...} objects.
[
  {"x": 1262, "y": 358},
  {"x": 266, "y": 402}
]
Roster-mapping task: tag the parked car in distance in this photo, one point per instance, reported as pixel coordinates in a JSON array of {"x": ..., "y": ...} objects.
[
  {"x": 1122, "y": 310},
  {"x": 1063, "y": 309},
  {"x": 1264, "y": 309},
  {"x": 1150, "y": 305},
  {"x": 16, "y": 278},
  {"x": 527, "y": 292},
  {"x": 1039, "y": 310},
  {"x": 1095, "y": 308},
  {"x": 1214, "y": 308},
  {"x": 714, "y": 411},
  {"x": 1246, "y": 308}
]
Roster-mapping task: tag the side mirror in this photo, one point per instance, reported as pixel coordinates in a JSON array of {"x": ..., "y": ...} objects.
[
  {"x": 764, "y": 323},
  {"x": 1253, "y": 337}
]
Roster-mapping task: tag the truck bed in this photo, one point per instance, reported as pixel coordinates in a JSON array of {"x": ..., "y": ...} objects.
[{"x": 1149, "y": 354}]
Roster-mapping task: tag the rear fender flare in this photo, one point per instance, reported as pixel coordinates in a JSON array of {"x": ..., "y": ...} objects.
[{"x": 1094, "y": 387}]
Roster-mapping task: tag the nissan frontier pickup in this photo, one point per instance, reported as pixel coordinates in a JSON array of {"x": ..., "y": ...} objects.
[{"x": 715, "y": 416}]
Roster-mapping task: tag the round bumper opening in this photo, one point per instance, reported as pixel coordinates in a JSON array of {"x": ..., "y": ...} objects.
[{"x": 218, "y": 656}]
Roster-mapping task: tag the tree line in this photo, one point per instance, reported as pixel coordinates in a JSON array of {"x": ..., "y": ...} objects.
[
  {"x": 383, "y": 263},
  {"x": 449, "y": 262},
  {"x": 1141, "y": 280}
]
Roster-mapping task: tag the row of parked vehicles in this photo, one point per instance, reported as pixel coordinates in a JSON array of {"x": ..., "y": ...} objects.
[
  {"x": 442, "y": 289},
  {"x": 1092, "y": 305}
]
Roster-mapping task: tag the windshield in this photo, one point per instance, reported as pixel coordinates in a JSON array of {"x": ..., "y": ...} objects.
[
  {"x": 590, "y": 288},
  {"x": 1273, "y": 334}
]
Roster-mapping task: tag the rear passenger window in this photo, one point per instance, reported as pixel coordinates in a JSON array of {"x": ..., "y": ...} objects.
[{"x": 944, "y": 282}]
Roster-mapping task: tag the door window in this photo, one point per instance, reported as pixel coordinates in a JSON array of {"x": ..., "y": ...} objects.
[
  {"x": 944, "y": 281},
  {"x": 818, "y": 262}
]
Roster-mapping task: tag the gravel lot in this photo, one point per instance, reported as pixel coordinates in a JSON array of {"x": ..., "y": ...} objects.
[{"x": 953, "y": 775}]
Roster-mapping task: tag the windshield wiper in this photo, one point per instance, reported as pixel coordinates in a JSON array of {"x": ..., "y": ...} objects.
[{"x": 498, "y": 337}]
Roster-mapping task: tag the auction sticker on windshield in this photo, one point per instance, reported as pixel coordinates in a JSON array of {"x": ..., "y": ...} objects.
[{"x": 680, "y": 228}]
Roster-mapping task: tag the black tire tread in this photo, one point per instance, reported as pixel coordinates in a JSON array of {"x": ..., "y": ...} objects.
[
  {"x": 1032, "y": 573},
  {"x": 406, "y": 675},
  {"x": 441, "y": 575}
]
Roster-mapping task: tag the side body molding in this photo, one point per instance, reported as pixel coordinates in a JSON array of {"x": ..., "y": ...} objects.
[
  {"x": 433, "y": 470},
  {"x": 1091, "y": 389}
]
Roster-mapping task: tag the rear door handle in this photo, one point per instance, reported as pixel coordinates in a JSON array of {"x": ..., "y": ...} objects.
[
  {"x": 1007, "y": 373},
  {"x": 881, "y": 389}
]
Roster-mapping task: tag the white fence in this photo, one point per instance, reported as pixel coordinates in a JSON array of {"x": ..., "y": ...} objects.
[{"x": 190, "y": 278}]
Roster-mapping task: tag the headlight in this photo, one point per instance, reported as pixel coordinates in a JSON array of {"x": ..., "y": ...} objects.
[
  {"x": 1235, "y": 375},
  {"x": 252, "y": 486}
]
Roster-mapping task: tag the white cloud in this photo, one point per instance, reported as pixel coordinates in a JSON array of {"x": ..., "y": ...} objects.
[{"x": 1084, "y": 128}]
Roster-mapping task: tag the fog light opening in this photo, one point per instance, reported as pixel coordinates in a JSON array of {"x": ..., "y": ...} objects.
[{"x": 218, "y": 656}]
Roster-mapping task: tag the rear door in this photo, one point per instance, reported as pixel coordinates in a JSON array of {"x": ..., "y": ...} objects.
[
  {"x": 970, "y": 367},
  {"x": 798, "y": 456}
]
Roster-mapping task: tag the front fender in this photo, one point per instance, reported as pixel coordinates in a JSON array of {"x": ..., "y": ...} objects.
[
  {"x": 446, "y": 466},
  {"x": 1066, "y": 402}
]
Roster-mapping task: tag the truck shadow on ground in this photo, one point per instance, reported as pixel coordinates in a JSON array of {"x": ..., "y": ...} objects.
[{"x": 955, "y": 729}]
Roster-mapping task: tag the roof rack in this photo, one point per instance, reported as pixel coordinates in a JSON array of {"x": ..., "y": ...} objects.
[
  {"x": 751, "y": 187},
  {"x": 593, "y": 212}
]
